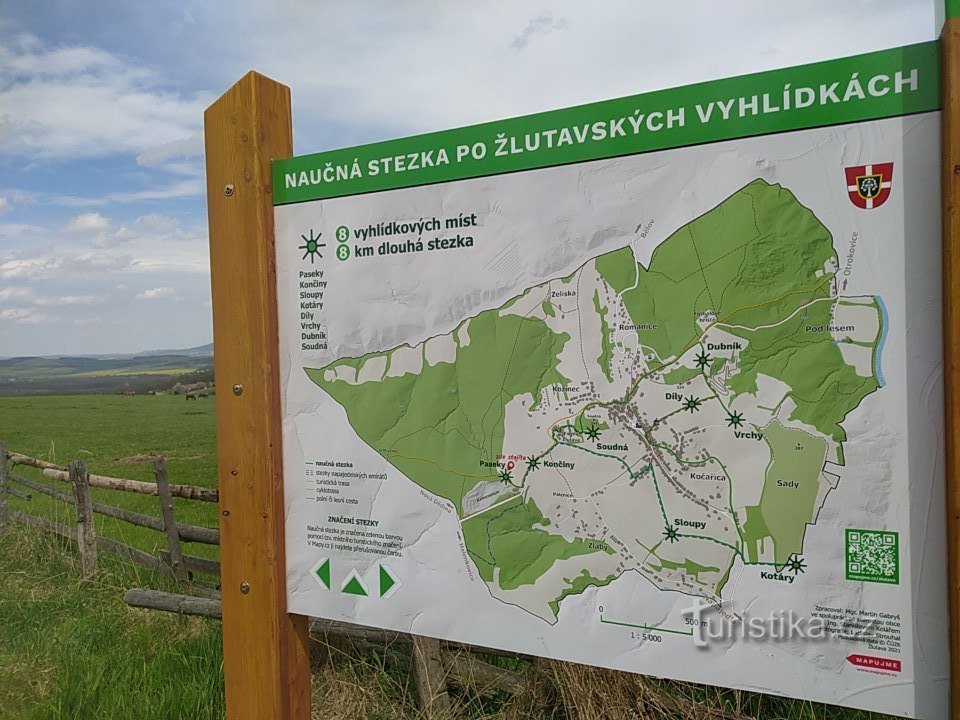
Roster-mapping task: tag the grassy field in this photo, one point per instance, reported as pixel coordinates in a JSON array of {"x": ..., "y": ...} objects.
[
  {"x": 117, "y": 436},
  {"x": 70, "y": 649}
]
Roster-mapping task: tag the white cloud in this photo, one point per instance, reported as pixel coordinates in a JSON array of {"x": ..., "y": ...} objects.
[
  {"x": 193, "y": 187},
  {"x": 71, "y": 300},
  {"x": 32, "y": 268},
  {"x": 87, "y": 224},
  {"x": 79, "y": 101},
  {"x": 28, "y": 295},
  {"x": 162, "y": 154},
  {"x": 14, "y": 293},
  {"x": 12, "y": 231},
  {"x": 4, "y": 205},
  {"x": 416, "y": 67},
  {"x": 23, "y": 316},
  {"x": 157, "y": 293},
  {"x": 156, "y": 223}
]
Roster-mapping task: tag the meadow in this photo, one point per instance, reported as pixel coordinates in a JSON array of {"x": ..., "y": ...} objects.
[{"x": 71, "y": 649}]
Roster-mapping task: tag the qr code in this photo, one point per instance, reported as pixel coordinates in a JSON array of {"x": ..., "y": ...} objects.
[{"x": 873, "y": 556}]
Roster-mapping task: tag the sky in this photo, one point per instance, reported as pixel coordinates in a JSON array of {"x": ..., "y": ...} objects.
[{"x": 103, "y": 229}]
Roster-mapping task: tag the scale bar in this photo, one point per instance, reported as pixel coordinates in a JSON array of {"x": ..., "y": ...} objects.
[{"x": 647, "y": 627}]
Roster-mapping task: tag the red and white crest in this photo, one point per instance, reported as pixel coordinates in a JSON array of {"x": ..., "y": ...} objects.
[{"x": 869, "y": 185}]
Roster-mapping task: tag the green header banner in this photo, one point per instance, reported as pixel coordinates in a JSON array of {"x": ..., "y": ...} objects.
[
  {"x": 883, "y": 84},
  {"x": 953, "y": 8}
]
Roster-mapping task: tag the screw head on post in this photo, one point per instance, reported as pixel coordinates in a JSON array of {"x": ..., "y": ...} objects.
[
  {"x": 244, "y": 587},
  {"x": 238, "y": 389},
  {"x": 228, "y": 190}
]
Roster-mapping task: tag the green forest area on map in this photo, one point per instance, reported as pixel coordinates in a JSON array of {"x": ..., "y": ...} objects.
[{"x": 673, "y": 420}]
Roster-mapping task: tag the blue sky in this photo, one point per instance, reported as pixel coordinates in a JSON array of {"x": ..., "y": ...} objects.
[{"x": 103, "y": 237}]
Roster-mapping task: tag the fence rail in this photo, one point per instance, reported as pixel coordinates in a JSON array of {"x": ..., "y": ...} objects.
[
  {"x": 170, "y": 562},
  {"x": 434, "y": 664}
]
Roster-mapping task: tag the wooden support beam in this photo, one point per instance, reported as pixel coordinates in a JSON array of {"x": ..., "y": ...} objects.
[
  {"x": 168, "y": 602},
  {"x": 18, "y": 459},
  {"x": 169, "y": 520},
  {"x": 17, "y": 493},
  {"x": 195, "y": 564},
  {"x": 135, "y": 556},
  {"x": 3, "y": 487},
  {"x": 466, "y": 671},
  {"x": 86, "y": 532},
  {"x": 430, "y": 678},
  {"x": 266, "y": 650},
  {"x": 188, "y": 492},
  {"x": 50, "y": 526},
  {"x": 187, "y": 533},
  {"x": 950, "y": 128}
]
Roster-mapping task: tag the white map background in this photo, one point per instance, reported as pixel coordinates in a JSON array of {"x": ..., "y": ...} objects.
[{"x": 544, "y": 224}]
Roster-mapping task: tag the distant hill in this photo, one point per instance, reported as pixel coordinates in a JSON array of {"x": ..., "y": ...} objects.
[
  {"x": 199, "y": 351},
  {"x": 105, "y": 374}
]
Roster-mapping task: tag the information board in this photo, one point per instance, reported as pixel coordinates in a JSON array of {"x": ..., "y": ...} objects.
[{"x": 651, "y": 384}]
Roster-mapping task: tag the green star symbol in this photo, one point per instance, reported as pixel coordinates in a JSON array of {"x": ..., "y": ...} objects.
[
  {"x": 795, "y": 564},
  {"x": 734, "y": 419},
  {"x": 311, "y": 246},
  {"x": 593, "y": 432},
  {"x": 671, "y": 534},
  {"x": 505, "y": 476},
  {"x": 692, "y": 404},
  {"x": 703, "y": 360},
  {"x": 533, "y": 463}
]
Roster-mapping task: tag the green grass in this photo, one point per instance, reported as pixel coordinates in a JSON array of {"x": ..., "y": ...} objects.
[
  {"x": 108, "y": 432},
  {"x": 70, "y": 649}
]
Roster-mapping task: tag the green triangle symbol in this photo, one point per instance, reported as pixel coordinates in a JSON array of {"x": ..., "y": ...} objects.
[
  {"x": 386, "y": 581},
  {"x": 323, "y": 572},
  {"x": 354, "y": 587}
]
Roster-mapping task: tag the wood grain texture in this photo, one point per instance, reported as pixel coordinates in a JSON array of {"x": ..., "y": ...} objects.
[
  {"x": 430, "y": 678},
  {"x": 3, "y": 487},
  {"x": 187, "y": 533},
  {"x": 86, "y": 533},
  {"x": 950, "y": 79},
  {"x": 169, "y": 602},
  {"x": 188, "y": 492},
  {"x": 169, "y": 520},
  {"x": 266, "y": 650},
  {"x": 194, "y": 564}
]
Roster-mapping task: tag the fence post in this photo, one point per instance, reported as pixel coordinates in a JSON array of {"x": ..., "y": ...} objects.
[
  {"x": 86, "y": 533},
  {"x": 169, "y": 521},
  {"x": 3, "y": 486},
  {"x": 430, "y": 678}
]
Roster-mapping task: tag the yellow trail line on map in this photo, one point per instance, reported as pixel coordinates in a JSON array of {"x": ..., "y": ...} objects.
[
  {"x": 716, "y": 322},
  {"x": 434, "y": 462}
]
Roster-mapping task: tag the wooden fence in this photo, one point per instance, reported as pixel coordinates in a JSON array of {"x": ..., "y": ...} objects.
[
  {"x": 172, "y": 562},
  {"x": 434, "y": 664}
]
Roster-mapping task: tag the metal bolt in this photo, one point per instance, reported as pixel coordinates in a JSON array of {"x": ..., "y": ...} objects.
[
  {"x": 244, "y": 587},
  {"x": 238, "y": 389},
  {"x": 228, "y": 190}
]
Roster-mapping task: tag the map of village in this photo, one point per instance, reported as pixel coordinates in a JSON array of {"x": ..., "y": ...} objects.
[{"x": 676, "y": 420}]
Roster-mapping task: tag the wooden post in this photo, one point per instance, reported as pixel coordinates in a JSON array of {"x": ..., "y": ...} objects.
[
  {"x": 3, "y": 487},
  {"x": 266, "y": 650},
  {"x": 950, "y": 119},
  {"x": 430, "y": 678},
  {"x": 169, "y": 520},
  {"x": 86, "y": 533}
]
